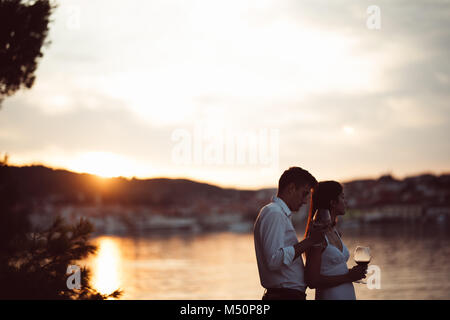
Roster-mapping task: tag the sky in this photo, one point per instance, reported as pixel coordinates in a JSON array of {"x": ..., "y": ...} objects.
[{"x": 234, "y": 92}]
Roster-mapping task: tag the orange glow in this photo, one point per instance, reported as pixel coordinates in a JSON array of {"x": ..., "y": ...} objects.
[
  {"x": 106, "y": 267},
  {"x": 103, "y": 164}
]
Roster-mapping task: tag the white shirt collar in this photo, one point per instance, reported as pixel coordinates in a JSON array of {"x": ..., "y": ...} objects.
[{"x": 283, "y": 205}]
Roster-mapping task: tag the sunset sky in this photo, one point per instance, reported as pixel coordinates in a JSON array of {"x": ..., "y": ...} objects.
[{"x": 125, "y": 85}]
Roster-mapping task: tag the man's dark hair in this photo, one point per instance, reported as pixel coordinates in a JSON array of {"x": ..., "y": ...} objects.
[{"x": 298, "y": 176}]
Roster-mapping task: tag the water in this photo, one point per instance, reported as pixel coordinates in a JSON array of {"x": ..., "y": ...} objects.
[{"x": 414, "y": 264}]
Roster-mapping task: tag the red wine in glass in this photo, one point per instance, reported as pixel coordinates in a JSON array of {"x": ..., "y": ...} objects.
[{"x": 362, "y": 257}]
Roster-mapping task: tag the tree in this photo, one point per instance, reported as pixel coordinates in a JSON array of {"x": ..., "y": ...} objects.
[
  {"x": 33, "y": 264},
  {"x": 24, "y": 25},
  {"x": 4, "y": 162},
  {"x": 36, "y": 267}
]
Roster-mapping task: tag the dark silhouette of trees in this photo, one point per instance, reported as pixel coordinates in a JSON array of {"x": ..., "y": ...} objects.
[
  {"x": 33, "y": 264},
  {"x": 4, "y": 161},
  {"x": 24, "y": 25},
  {"x": 37, "y": 264}
]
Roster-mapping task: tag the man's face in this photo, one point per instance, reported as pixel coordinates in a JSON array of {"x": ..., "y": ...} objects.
[{"x": 300, "y": 197}]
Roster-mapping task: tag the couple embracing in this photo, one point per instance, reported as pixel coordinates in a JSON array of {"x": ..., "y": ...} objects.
[{"x": 282, "y": 271}]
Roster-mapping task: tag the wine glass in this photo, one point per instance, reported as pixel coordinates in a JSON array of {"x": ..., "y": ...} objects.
[{"x": 362, "y": 256}]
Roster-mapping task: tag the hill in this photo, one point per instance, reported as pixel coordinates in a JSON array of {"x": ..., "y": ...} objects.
[{"x": 130, "y": 204}]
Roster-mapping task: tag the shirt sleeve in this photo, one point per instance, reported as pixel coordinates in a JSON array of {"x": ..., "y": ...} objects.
[
  {"x": 272, "y": 231},
  {"x": 288, "y": 255}
]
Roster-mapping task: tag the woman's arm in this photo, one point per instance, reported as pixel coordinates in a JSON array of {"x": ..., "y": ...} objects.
[{"x": 315, "y": 280}]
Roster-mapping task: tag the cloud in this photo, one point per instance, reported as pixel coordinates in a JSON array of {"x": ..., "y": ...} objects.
[
  {"x": 110, "y": 127},
  {"x": 132, "y": 74}
]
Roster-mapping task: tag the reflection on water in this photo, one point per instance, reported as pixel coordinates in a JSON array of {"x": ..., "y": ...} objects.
[
  {"x": 105, "y": 267},
  {"x": 415, "y": 264}
]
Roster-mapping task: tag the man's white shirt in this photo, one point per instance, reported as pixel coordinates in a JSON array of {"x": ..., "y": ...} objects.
[{"x": 274, "y": 237}]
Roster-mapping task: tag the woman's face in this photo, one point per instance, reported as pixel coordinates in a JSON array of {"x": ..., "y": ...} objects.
[{"x": 338, "y": 206}]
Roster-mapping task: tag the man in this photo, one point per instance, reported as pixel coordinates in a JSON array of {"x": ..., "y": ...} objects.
[{"x": 277, "y": 248}]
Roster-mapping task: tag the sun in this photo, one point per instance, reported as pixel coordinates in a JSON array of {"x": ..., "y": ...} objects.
[
  {"x": 348, "y": 130},
  {"x": 103, "y": 164}
]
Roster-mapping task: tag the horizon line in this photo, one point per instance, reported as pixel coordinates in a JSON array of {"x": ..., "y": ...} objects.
[{"x": 225, "y": 186}]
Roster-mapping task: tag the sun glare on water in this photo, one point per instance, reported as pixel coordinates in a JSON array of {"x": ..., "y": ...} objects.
[{"x": 106, "y": 267}]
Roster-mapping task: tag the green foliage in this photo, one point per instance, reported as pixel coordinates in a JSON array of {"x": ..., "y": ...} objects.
[
  {"x": 33, "y": 263},
  {"x": 24, "y": 26},
  {"x": 37, "y": 264}
]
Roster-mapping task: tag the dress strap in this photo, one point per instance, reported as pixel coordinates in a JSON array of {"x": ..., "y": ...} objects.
[
  {"x": 326, "y": 238},
  {"x": 342, "y": 242},
  {"x": 335, "y": 231},
  {"x": 338, "y": 234}
]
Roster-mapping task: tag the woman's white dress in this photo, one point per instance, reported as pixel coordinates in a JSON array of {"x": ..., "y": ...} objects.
[{"x": 334, "y": 262}]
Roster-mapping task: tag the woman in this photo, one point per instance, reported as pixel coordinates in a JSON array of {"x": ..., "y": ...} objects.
[{"x": 326, "y": 263}]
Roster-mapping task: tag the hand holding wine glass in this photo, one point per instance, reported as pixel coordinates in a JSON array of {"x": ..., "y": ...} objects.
[{"x": 362, "y": 257}]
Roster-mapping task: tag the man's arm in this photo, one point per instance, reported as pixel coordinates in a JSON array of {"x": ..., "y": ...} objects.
[
  {"x": 272, "y": 239},
  {"x": 316, "y": 238},
  {"x": 302, "y": 246}
]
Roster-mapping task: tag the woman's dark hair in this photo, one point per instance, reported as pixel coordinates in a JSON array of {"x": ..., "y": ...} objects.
[
  {"x": 322, "y": 195},
  {"x": 298, "y": 176},
  {"x": 324, "y": 192}
]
